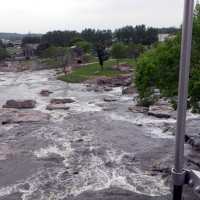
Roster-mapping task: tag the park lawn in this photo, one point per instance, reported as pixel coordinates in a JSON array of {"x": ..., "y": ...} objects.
[{"x": 93, "y": 70}]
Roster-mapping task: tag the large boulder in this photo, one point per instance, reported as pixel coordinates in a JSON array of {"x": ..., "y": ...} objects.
[
  {"x": 20, "y": 104},
  {"x": 161, "y": 109}
]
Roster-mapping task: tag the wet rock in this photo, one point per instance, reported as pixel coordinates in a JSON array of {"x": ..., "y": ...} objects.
[
  {"x": 65, "y": 175},
  {"x": 13, "y": 196},
  {"x": 128, "y": 159},
  {"x": 54, "y": 158},
  {"x": 6, "y": 150},
  {"x": 62, "y": 101},
  {"x": 161, "y": 110},
  {"x": 27, "y": 117},
  {"x": 139, "y": 109},
  {"x": 131, "y": 89},
  {"x": 25, "y": 186},
  {"x": 109, "y": 99},
  {"x": 167, "y": 128},
  {"x": 4, "y": 111},
  {"x": 107, "y": 89},
  {"x": 20, "y": 104},
  {"x": 45, "y": 92},
  {"x": 109, "y": 108},
  {"x": 54, "y": 106},
  {"x": 163, "y": 166}
]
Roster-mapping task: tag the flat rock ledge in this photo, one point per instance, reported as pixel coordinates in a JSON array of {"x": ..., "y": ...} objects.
[
  {"x": 20, "y": 104},
  {"x": 61, "y": 101},
  {"x": 11, "y": 117},
  {"x": 161, "y": 109},
  {"x": 54, "y": 106}
]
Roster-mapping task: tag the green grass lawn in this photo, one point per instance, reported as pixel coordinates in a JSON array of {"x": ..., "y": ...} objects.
[{"x": 93, "y": 70}]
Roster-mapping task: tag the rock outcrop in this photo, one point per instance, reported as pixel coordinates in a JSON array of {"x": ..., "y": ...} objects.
[
  {"x": 20, "y": 104},
  {"x": 54, "y": 106},
  {"x": 61, "y": 101},
  {"x": 45, "y": 92},
  {"x": 13, "y": 116},
  {"x": 161, "y": 109}
]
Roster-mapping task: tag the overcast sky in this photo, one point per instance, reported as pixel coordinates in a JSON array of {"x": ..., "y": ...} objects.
[{"x": 41, "y": 16}]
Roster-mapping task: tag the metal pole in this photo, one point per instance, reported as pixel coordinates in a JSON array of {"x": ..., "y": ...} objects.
[{"x": 182, "y": 98}]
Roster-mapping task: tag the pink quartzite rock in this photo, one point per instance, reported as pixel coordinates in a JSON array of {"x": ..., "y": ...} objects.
[{"x": 19, "y": 104}]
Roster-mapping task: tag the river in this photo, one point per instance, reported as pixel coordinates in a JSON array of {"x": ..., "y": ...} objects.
[{"x": 94, "y": 150}]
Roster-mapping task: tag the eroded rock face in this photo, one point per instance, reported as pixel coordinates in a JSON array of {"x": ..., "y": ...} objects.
[
  {"x": 61, "y": 101},
  {"x": 20, "y": 104}
]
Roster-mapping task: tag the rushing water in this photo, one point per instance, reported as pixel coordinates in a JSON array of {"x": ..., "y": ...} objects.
[{"x": 86, "y": 147}]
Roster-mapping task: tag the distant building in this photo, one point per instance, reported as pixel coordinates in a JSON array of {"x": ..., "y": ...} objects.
[
  {"x": 17, "y": 43},
  {"x": 30, "y": 50},
  {"x": 162, "y": 37}
]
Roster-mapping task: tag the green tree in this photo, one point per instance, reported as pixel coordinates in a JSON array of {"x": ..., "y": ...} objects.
[
  {"x": 61, "y": 55},
  {"x": 101, "y": 53},
  {"x": 118, "y": 51},
  {"x": 3, "y": 52},
  {"x": 30, "y": 39},
  {"x": 135, "y": 50}
]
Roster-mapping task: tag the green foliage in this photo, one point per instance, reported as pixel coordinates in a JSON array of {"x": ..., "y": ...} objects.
[
  {"x": 3, "y": 53},
  {"x": 194, "y": 89},
  {"x": 134, "y": 50},
  {"x": 41, "y": 48},
  {"x": 137, "y": 35},
  {"x": 73, "y": 41},
  {"x": 30, "y": 39},
  {"x": 159, "y": 68},
  {"x": 118, "y": 51},
  {"x": 86, "y": 46}
]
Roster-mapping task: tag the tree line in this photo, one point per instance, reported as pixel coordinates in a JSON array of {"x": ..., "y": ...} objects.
[{"x": 139, "y": 34}]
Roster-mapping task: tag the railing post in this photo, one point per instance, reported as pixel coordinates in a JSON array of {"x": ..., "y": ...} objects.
[{"x": 178, "y": 173}]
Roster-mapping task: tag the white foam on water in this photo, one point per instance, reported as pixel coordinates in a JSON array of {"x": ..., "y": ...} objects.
[
  {"x": 101, "y": 167},
  {"x": 85, "y": 107},
  {"x": 153, "y": 124}
]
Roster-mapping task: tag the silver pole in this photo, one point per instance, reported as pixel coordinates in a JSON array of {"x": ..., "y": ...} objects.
[
  {"x": 183, "y": 85},
  {"x": 178, "y": 174}
]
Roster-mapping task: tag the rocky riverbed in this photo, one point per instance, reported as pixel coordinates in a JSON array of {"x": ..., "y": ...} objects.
[{"x": 95, "y": 146}]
